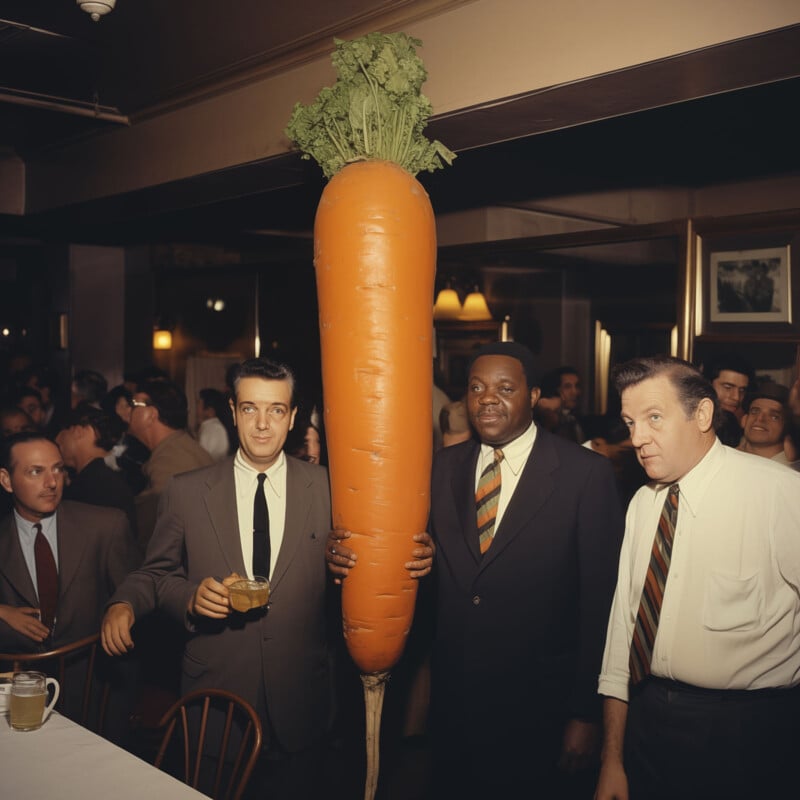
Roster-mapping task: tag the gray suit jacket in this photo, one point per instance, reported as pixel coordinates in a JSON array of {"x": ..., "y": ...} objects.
[
  {"x": 96, "y": 550},
  {"x": 278, "y": 658}
]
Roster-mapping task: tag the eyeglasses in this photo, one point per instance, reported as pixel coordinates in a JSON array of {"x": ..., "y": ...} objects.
[{"x": 139, "y": 403}]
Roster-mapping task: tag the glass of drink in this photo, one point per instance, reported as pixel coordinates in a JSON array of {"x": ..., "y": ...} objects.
[
  {"x": 247, "y": 594},
  {"x": 29, "y": 708}
]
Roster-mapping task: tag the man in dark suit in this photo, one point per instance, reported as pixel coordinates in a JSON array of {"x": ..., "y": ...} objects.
[
  {"x": 92, "y": 550},
  {"x": 521, "y": 625},
  {"x": 85, "y": 440},
  {"x": 521, "y": 615},
  {"x": 276, "y": 658}
]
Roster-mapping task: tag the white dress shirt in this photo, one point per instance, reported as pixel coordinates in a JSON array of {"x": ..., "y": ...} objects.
[
  {"x": 730, "y": 618},
  {"x": 27, "y": 539},
  {"x": 246, "y": 480},
  {"x": 515, "y": 456}
]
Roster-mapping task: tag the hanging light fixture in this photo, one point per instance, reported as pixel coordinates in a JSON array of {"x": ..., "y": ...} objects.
[
  {"x": 162, "y": 339},
  {"x": 447, "y": 305},
  {"x": 475, "y": 308},
  {"x": 97, "y": 8}
]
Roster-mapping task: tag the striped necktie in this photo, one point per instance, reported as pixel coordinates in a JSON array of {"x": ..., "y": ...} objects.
[
  {"x": 644, "y": 634},
  {"x": 487, "y": 498}
]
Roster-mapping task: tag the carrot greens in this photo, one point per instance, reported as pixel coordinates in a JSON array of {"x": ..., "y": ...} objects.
[{"x": 375, "y": 110}]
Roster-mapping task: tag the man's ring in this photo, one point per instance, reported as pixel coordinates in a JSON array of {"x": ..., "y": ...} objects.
[{"x": 333, "y": 550}]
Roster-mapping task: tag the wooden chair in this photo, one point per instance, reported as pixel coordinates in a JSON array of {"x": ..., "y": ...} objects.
[
  {"x": 231, "y": 761},
  {"x": 56, "y": 663}
]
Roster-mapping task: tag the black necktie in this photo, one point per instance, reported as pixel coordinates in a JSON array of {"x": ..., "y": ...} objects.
[
  {"x": 261, "y": 551},
  {"x": 46, "y": 578}
]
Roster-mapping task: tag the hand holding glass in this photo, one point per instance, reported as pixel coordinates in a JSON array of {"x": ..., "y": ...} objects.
[
  {"x": 28, "y": 708},
  {"x": 246, "y": 595}
]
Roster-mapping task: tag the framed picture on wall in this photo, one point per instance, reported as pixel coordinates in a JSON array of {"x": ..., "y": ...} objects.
[{"x": 750, "y": 286}]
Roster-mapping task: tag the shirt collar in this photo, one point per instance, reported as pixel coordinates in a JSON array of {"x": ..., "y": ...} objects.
[
  {"x": 25, "y": 527},
  {"x": 250, "y": 473},
  {"x": 693, "y": 484},
  {"x": 515, "y": 453}
]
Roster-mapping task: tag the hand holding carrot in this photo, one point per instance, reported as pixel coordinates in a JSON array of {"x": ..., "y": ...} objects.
[{"x": 341, "y": 559}]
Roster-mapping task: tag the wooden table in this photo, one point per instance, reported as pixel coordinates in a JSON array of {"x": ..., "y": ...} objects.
[{"x": 64, "y": 761}]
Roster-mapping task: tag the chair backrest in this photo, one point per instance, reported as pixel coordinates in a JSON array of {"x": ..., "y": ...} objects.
[
  {"x": 220, "y": 736},
  {"x": 76, "y": 658}
]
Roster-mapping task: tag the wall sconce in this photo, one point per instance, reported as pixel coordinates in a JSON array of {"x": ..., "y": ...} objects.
[
  {"x": 505, "y": 330},
  {"x": 447, "y": 305},
  {"x": 475, "y": 308},
  {"x": 162, "y": 339}
]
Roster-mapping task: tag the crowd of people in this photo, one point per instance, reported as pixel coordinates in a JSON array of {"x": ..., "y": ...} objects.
[{"x": 566, "y": 647}]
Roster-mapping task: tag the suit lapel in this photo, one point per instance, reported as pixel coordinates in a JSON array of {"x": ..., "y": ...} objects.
[
  {"x": 463, "y": 488},
  {"x": 12, "y": 563},
  {"x": 221, "y": 505},
  {"x": 298, "y": 506},
  {"x": 535, "y": 485}
]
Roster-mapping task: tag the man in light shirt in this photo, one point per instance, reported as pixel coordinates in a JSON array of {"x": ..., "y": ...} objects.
[{"x": 712, "y": 711}]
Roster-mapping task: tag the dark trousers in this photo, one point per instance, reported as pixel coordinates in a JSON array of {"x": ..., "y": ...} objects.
[{"x": 682, "y": 741}]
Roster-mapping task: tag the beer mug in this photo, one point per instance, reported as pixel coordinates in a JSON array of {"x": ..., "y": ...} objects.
[
  {"x": 246, "y": 595},
  {"x": 29, "y": 708},
  {"x": 5, "y": 695}
]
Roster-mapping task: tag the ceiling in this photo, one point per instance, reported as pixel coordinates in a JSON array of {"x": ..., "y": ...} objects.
[{"x": 629, "y": 129}]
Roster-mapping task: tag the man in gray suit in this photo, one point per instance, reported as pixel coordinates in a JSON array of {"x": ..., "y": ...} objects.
[
  {"x": 93, "y": 550},
  {"x": 90, "y": 549},
  {"x": 276, "y": 658}
]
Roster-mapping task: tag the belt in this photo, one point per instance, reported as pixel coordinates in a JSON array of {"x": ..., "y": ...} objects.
[{"x": 679, "y": 687}]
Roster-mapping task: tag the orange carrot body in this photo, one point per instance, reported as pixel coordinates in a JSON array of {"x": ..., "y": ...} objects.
[{"x": 375, "y": 257}]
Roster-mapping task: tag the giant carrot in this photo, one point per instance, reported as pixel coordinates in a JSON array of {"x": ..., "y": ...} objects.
[{"x": 375, "y": 257}]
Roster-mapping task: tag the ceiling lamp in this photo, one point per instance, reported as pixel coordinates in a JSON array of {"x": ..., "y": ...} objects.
[
  {"x": 97, "y": 8},
  {"x": 475, "y": 308},
  {"x": 447, "y": 305}
]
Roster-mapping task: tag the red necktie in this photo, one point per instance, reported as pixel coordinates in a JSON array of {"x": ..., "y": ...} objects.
[{"x": 46, "y": 578}]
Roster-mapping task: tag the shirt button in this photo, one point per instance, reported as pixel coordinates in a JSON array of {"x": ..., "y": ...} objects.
[{"x": 476, "y": 601}]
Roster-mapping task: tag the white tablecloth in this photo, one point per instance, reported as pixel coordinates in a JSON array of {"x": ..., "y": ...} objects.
[{"x": 64, "y": 761}]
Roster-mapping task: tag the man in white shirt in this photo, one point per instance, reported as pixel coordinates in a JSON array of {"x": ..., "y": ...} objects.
[{"x": 699, "y": 686}]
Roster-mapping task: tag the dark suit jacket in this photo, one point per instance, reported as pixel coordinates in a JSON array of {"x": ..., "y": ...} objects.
[
  {"x": 280, "y": 656},
  {"x": 96, "y": 550},
  {"x": 98, "y": 485},
  {"x": 520, "y": 631}
]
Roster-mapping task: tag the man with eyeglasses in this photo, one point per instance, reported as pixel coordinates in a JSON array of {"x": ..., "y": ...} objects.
[
  {"x": 259, "y": 512},
  {"x": 158, "y": 419}
]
